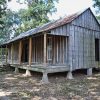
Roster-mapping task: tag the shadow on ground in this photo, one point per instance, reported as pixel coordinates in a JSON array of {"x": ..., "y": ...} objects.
[{"x": 18, "y": 87}]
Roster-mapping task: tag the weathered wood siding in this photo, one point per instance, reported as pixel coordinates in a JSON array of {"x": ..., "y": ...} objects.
[
  {"x": 13, "y": 56},
  {"x": 15, "y": 53},
  {"x": 37, "y": 50},
  {"x": 59, "y": 50},
  {"x": 87, "y": 20},
  {"x": 9, "y": 53},
  {"x": 83, "y": 31},
  {"x": 61, "y": 30}
]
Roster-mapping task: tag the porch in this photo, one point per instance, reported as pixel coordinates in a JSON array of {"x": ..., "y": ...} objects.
[
  {"x": 41, "y": 53},
  {"x": 43, "y": 50}
]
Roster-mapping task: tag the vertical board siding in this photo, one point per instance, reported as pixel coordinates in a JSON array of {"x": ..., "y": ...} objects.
[
  {"x": 15, "y": 57},
  {"x": 61, "y": 31},
  {"x": 37, "y": 51},
  {"x": 82, "y": 47},
  {"x": 58, "y": 50},
  {"x": 9, "y": 54},
  {"x": 87, "y": 20}
]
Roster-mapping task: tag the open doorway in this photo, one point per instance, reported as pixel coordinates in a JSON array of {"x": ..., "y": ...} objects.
[
  {"x": 97, "y": 49},
  {"x": 25, "y": 52}
]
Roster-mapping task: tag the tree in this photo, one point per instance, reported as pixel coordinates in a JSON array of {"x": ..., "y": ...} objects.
[
  {"x": 36, "y": 14},
  {"x": 11, "y": 23},
  {"x": 2, "y": 15},
  {"x": 2, "y": 12},
  {"x": 97, "y": 5}
]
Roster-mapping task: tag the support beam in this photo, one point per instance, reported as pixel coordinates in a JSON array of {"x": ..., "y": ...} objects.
[
  {"x": 27, "y": 73},
  {"x": 12, "y": 53},
  {"x": 45, "y": 78},
  {"x": 20, "y": 51},
  {"x": 69, "y": 75},
  {"x": 6, "y": 53},
  {"x": 16, "y": 70},
  {"x": 89, "y": 71},
  {"x": 30, "y": 51},
  {"x": 45, "y": 49}
]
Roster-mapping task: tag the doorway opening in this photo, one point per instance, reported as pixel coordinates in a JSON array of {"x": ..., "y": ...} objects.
[
  {"x": 96, "y": 49},
  {"x": 25, "y": 52}
]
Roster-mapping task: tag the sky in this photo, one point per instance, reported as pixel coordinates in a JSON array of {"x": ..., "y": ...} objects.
[{"x": 64, "y": 7}]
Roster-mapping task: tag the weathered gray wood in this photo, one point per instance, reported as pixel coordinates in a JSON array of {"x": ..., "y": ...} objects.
[
  {"x": 45, "y": 49},
  {"x": 20, "y": 51},
  {"x": 6, "y": 53},
  {"x": 12, "y": 50},
  {"x": 86, "y": 20},
  {"x": 30, "y": 51}
]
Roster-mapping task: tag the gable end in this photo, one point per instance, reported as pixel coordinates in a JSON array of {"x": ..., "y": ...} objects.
[{"x": 87, "y": 20}]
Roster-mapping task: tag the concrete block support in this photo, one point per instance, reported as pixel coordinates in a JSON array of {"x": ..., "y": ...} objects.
[
  {"x": 89, "y": 71},
  {"x": 69, "y": 75},
  {"x": 28, "y": 73},
  {"x": 16, "y": 70},
  {"x": 45, "y": 78}
]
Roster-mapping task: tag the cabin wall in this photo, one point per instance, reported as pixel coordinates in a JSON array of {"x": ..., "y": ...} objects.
[
  {"x": 56, "y": 56},
  {"x": 15, "y": 53},
  {"x": 82, "y": 34},
  {"x": 87, "y": 20},
  {"x": 59, "y": 50},
  {"x": 37, "y": 49},
  {"x": 61, "y": 30},
  {"x": 9, "y": 54},
  {"x": 82, "y": 47}
]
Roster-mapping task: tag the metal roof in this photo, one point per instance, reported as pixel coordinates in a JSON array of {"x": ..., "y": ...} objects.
[{"x": 47, "y": 26}]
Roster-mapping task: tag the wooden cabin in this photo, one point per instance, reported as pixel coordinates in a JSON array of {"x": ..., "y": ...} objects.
[{"x": 65, "y": 45}]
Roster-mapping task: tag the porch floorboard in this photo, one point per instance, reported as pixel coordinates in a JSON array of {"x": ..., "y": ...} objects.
[{"x": 41, "y": 68}]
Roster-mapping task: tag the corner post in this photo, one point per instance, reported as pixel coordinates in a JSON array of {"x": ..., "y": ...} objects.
[
  {"x": 30, "y": 51},
  {"x": 20, "y": 51},
  {"x": 69, "y": 75},
  {"x": 45, "y": 74},
  {"x": 6, "y": 53},
  {"x": 12, "y": 53},
  {"x": 1, "y": 56},
  {"x": 45, "y": 49}
]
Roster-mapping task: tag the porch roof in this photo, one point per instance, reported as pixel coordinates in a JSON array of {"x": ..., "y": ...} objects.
[{"x": 46, "y": 27}]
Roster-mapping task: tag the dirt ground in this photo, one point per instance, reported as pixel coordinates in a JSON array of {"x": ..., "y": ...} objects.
[{"x": 18, "y": 87}]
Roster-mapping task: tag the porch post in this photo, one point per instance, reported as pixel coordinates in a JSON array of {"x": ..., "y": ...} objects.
[
  {"x": 6, "y": 53},
  {"x": 1, "y": 56},
  {"x": 45, "y": 73},
  {"x": 20, "y": 51},
  {"x": 30, "y": 51},
  {"x": 12, "y": 53},
  {"x": 45, "y": 50}
]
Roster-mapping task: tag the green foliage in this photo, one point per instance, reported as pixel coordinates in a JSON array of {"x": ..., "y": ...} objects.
[
  {"x": 97, "y": 5},
  {"x": 2, "y": 15},
  {"x": 36, "y": 14},
  {"x": 2, "y": 12},
  {"x": 11, "y": 22},
  {"x": 14, "y": 23}
]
